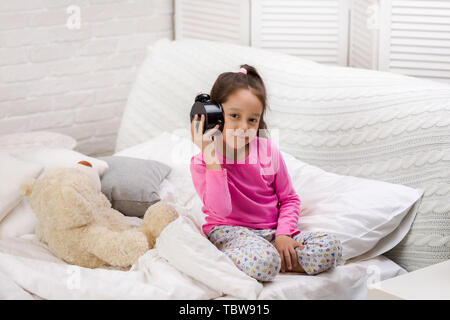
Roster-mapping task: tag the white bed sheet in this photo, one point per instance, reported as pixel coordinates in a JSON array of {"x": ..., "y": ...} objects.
[
  {"x": 180, "y": 267},
  {"x": 348, "y": 282}
]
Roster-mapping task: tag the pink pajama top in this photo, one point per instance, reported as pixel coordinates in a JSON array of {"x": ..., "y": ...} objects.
[{"x": 256, "y": 192}]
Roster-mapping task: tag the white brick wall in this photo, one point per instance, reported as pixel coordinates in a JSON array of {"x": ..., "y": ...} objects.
[{"x": 76, "y": 81}]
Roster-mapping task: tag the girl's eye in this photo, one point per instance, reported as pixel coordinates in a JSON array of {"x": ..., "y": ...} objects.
[{"x": 234, "y": 115}]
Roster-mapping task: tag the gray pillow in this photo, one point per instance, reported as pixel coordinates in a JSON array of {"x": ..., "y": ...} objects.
[{"x": 131, "y": 184}]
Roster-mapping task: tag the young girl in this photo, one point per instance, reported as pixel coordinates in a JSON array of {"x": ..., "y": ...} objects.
[{"x": 250, "y": 204}]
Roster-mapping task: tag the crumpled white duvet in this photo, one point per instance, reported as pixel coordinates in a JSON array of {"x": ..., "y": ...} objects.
[
  {"x": 183, "y": 265},
  {"x": 179, "y": 267}
]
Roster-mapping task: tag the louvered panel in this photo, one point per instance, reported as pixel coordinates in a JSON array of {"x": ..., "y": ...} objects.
[
  {"x": 432, "y": 52},
  {"x": 322, "y": 12},
  {"x": 363, "y": 52},
  {"x": 423, "y": 65},
  {"x": 291, "y": 16},
  {"x": 419, "y": 34},
  {"x": 300, "y": 37},
  {"x": 421, "y": 57},
  {"x": 275, "y": 45},
  {"x": 309, "y": 32},
  {"x": 315, "y": 30},
  {"x": 420, "y": 39},
  {"x": 412, "y": 41},
  {"x": 216, "y": 20},
  {"x": 419, "y": 19},
  {"x": 286, "y": 25},
  {"x": 421, "y": 27},
  {"x": 423, "y": 4},
  {"x": 443, "y": 75},
  {"x": 299, "y": 4},
  {"x": 308, "y": 51}
]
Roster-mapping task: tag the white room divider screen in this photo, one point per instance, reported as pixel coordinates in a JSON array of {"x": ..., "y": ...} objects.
[
  {"x": 419, "y": 39},
  {"x": 410, "y": 37},
  {"x": 315, "y": 30},
  {"x": 227, "y": 20}
]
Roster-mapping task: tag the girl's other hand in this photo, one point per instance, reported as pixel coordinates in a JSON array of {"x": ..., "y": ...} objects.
[{"x": 285, "y": 246}]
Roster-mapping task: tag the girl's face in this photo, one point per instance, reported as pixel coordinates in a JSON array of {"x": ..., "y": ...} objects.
[{"x": 242, "y": 112}]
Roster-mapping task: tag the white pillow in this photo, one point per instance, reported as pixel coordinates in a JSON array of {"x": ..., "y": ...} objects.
[
  {"x": 21, "y": 220},
  {"x": 362, "y": 213},
  {"x": 61, "y": 158},
  {"x": 172, "y": 148},
  {"x": 370, "y": 217},
  {"x": 13, "y": 173}
]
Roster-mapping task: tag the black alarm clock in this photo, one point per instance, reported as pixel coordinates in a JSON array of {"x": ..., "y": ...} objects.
[{"x": 213, "y": 112}]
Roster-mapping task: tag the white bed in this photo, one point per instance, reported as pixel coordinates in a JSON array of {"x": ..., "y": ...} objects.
[
  {"x": 184, "y": 264},
  {"x": 29, "y": 270}
]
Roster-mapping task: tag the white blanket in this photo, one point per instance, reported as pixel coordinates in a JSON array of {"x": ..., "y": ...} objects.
[
  {"x": 30, "y": 265},
  {"x": 183, "y": 265}
]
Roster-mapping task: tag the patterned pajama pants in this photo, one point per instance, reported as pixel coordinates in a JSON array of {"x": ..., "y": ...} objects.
[{"x": 253, "y": 252}]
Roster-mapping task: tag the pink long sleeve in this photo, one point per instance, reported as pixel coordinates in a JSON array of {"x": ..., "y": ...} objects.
[
  {"x": 289, "y": 209},
  {"x": 212, "y": 187}
]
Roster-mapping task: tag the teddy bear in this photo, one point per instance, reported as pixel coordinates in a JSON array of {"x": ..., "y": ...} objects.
[{"x": 78, "y": 224}]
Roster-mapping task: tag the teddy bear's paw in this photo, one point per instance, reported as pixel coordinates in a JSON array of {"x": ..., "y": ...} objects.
[
  {"x": 161, "y": 210},
  {"x": 157, "y": 217},
  {"x": 117, "y": 248},
  {"x": 135, "y": 246}
]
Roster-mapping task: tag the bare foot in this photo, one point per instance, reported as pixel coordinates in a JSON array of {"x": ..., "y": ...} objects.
[{"x": 297, "y": 268}]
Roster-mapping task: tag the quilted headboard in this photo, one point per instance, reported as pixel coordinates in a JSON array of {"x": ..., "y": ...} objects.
[{"x": 348, "y": 121}]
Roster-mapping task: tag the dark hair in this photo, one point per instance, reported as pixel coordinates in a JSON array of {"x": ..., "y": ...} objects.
[{"x": 229, "y": 82}]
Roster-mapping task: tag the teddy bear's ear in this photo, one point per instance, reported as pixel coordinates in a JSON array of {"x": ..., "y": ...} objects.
[
  {"x": 27, "y": 187},
  {"x": 85, "y": 163}
]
